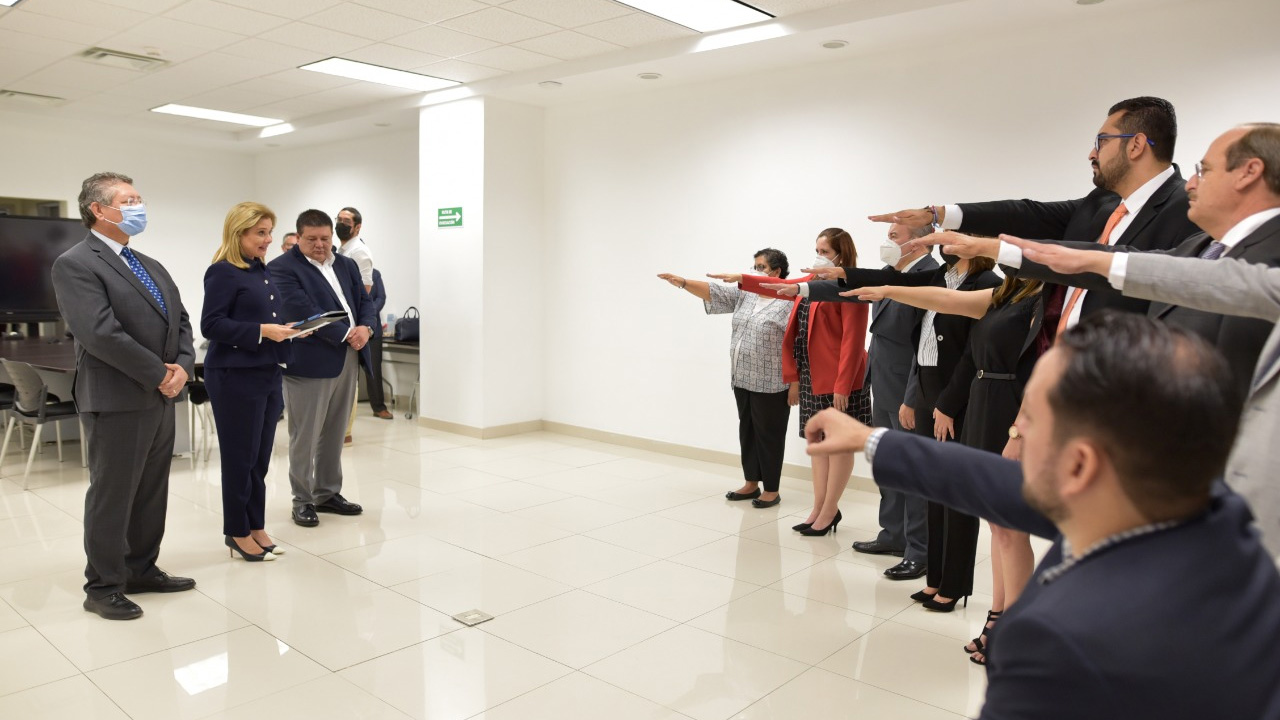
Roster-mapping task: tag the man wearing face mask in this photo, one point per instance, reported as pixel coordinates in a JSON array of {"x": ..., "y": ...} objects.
[
  {"x": 133, "y": 357},
  {"x": 347, "y": 228}
]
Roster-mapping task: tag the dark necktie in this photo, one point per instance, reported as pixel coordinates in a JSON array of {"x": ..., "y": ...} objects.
[
  {"x": 1213, "y": 251},
  {"x": 136, "y": 266}
]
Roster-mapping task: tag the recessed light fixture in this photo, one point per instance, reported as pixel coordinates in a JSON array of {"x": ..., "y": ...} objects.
[
  {"x": 9, "y": 3},
  {"x": 1088, "y": 2},
  {"x": 32, "y": 98},
  {"x": 274, "y": 130},
  {"x": 382, "y": 124},
  {"x": 378, "y": 74},
  {"x": 218, "y": 115},
  {"x": 701, "y": 15},
  {"x": 550, "y": 84},
  {"x": 835, "y": 44},
  {"x": 649, "y": 76}
]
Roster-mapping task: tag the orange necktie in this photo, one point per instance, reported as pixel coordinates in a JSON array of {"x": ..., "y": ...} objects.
[{"x": 1112, "y": 221}]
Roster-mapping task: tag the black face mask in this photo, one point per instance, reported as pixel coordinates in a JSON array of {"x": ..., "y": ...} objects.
[
  {"x": 343, "y": 230},
  {"x": 947, "y": 258}
]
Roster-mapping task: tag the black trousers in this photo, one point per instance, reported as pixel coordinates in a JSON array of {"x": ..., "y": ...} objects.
[
  {"x": 128, "y": 496},
  {"x": 373, "y": 374},
  {"x": 762, "y": 434},
  {"x": 246, "y": 405},
  {"x": 953, "y": 535}
]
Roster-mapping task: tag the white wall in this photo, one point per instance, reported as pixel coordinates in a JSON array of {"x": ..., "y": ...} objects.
[
  {"x": 187, "y": 190},
  {"x": 378, "y": 175},
  {"x": 695, "y": 179}
]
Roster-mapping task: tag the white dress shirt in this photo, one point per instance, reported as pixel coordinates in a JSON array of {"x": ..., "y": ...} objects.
[
  {"x": 326, "y": 269},
  {"x": 1238, "y": 232},
  {"x": 357, "y": 250}
]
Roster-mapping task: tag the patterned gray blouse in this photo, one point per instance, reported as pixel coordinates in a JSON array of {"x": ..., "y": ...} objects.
[{"x": 755, "y": 349}]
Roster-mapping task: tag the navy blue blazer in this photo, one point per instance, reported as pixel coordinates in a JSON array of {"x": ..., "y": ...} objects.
[
  {"x": 379, "y": 294},
  {"x": 236, "y": 303},
  {"x": 307, "y": 293},
  {"x": 1180, "y": 624}
]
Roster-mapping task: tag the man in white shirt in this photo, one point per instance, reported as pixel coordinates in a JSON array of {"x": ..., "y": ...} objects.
[{"x": 347, "y": 228}]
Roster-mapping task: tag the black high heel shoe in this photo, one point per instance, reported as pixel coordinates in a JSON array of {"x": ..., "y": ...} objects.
[
  {"x": 922, "y": 596},
  {"x": 934, "y": 605},
  {"x": 811, "y": 531},
  {"x": 978, "y": 645},
  {"x": 248, "y": 557}
]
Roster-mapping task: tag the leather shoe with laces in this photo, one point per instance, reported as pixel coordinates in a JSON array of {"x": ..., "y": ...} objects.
[
  {"x": 906, "y": 570},
  {"x": 306, "y": 516},
  {"x": 162, "y": 582},
  {"x": 113, "y": 607},
  {"x": 340, "y": 505},
  {"x": 875, "y": 547}
]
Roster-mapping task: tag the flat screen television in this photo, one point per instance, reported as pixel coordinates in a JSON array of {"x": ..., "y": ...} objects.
[{"x": 28, "y": 247}]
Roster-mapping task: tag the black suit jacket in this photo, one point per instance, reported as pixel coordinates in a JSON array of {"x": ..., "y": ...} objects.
[
  {"x": 1239, "y": 339},
  {"x": 1161, "y": 224},
  {"x": 1082, "y": 219},
  {"x": 307, "y": 293},
  {"x": 895, "y": 337},
  {"x": 1112, "y": 637}
]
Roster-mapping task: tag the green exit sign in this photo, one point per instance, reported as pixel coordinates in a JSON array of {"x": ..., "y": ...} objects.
[{"x": 449, "y": 217}]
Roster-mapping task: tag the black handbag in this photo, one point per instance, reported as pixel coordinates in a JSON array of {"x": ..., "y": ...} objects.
[{"x": 407, "y": 326}]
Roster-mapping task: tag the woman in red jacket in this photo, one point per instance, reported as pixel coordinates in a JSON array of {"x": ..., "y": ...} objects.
[{"x": 824, "y": 359}]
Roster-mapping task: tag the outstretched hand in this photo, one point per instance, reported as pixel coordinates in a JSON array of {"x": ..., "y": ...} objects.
[
  {"x": 954, "y": 243},
  {"x": 832, "y": 432},
  {"x": 675, "y": 280},
  {"x": 730, "y": 278},
  {"x": 1066, "y": 261},
  {"x": 869, "y": 294},
  {"x": 826, "y": 273},
  {"x": 917, "y": 218},
  {"x": 784, "y": 289}
]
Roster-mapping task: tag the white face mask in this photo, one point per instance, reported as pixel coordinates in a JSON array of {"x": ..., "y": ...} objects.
[
  {"x": 822, "y": 262},
  {"x": 890, "y": 252}
]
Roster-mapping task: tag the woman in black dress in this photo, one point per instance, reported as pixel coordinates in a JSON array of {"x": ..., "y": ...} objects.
[{"x": 1003, "y": 348}]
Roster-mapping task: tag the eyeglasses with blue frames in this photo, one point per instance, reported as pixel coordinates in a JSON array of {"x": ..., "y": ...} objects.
[{"x": 1102, "y": 137}]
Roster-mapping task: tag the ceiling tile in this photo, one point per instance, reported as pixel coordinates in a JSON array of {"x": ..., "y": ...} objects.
[
  {"x": 54, "y": 28},
  {"x": 392, "y": 56},
  {"x": 38, "y": 47},
  {"x": 148, "y": 6},
  {"x": 567, "y": 45},
  {"x": 172, "y": 36},
  {"x": 217, "y": 15},
  {"x": 89, "y": 12},
  {"x": 427, "y": 12},
  {"x": 274, "y": 86},
  {"x": 317, "y": 39},
  {"x": 635, "y": 29},
  {"x": 30, "y": 85},
  {"x": 568, "y": 13},
  {"x": 500, "y": 25},
  {"x": 509, "y": 58},
  {"x": 442, "y": 41},
  {"x": 314, "y": 80},
  {"x": 494, "y": 2},
  {"x": 791, "y": 7},
  {"x": 295, "y": 9},
  {"x": 299, "y": 107},
  {"x": 463, "y": 72},
  {"x": 229, "y": 99},
  {"x": 363, "y": 21},
  {"x": 15, "y": 64},
  {"x": 287, "y": 55},
  {"x": 80, "y": 74}
]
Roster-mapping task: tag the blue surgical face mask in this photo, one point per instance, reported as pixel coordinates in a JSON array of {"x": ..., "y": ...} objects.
[{"x": 133, "y": 219}]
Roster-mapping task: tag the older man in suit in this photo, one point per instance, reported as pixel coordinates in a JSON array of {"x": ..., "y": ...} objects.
[
  {"x": 1155, "y": 599},
  {"x": 133, "y": 357},
  {"x": 320, "y": 381}
]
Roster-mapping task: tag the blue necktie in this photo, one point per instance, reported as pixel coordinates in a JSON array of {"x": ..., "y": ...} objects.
[
  {"x": 136, "y": 266},
  {"x": 1213, "y": 251}
]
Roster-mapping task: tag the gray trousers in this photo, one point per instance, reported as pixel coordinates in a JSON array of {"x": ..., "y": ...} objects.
[
  {"x": 318, "y": 410},
  {"x": 903, "y": 516},
  {"x": 128, "y": 496}
]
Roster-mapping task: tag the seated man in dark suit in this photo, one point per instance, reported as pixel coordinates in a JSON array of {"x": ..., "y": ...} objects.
[
  {"x": 1156, "y": 599},
  {"x": 320, "y": 381}
]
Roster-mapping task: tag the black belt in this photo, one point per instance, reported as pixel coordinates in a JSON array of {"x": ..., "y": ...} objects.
[{"x": 985, "y": 375}]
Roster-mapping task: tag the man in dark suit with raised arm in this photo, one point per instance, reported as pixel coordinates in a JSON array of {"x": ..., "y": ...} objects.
[
  {"x": 133, "y": 357},
  {"x": 320, "y": 381},
  {"x": 1156, "y": 598}
]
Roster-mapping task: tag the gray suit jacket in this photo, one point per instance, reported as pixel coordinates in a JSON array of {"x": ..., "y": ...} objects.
[
  {"x": 895, "y": 338},
  {"x": 123, "y": 338},
  {"x": 1232, "y": 287}
]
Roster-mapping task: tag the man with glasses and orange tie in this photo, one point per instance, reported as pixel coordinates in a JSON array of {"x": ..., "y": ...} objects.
[{"x": 1139, "y": 203}]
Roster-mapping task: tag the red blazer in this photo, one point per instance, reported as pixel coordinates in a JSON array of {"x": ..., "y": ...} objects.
[{"x": 837, "y": 340}]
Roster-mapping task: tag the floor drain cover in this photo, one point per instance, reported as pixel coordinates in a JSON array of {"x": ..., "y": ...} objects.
[{"x": 472, "y": 617}]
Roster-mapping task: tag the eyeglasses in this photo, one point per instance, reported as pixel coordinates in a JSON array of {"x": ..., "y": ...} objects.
[
  {"x": 1102, "y": 137},
  {"x": 1199, "y": 171},
  {"x": 762, "y": 268},
  {"x": 131, "y": 202}
]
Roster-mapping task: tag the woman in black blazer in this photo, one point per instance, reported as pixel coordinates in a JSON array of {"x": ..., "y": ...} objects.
[{"x": 248, "y": 345}]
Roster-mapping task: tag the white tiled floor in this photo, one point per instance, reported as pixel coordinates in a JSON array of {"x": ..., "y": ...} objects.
[{"x": 624, "y": 587}]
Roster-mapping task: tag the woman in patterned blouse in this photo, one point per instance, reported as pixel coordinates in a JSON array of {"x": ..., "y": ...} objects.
[{"x": 755, "y": 351}]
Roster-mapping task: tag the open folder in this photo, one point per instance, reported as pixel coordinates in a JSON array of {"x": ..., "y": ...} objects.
[{"x": 317, "y": 321}]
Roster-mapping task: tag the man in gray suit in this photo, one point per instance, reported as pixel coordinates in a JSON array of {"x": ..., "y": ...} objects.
[
  {"x": 133, "y": 357},
  {"x": 895, "y": 333},
  {"x": 1235, "y": 194}
]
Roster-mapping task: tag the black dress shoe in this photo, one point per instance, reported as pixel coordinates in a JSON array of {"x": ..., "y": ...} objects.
[
  {"x": 162, "y": 582},
  {"x": 732, "y": 495},
  {"x": 758, "y": 503},
  {"x": 906, "y": 570},
  {"x": 339, "y": 505},
  {"x": 113, "y": 607},
  {"x": 306, "y": 516},
  {"x": 875, "y": 547}
]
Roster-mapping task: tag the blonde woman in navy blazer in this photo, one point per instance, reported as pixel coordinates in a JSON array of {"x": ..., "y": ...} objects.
[{"x": 243, "y": 320}]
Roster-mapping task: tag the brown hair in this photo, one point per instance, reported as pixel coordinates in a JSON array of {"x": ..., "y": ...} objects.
[
  {"x": 1014, "y": 290},
  {"x": 1262, "y": 141},
  {"x": 842, "y": 242}
]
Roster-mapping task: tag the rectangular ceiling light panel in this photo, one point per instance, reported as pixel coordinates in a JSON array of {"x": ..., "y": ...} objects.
[
  {"x": 702, "y": 15},
  {"x": 378, "y": 74},
  {"x": 219, "y": 115}
]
